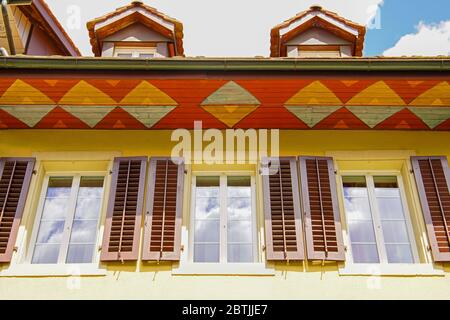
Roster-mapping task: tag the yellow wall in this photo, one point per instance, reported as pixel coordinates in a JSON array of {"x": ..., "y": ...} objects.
[{"x": 153, "y": 281}]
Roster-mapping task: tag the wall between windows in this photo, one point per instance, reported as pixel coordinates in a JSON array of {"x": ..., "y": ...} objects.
[{"x": 156, "y": 281}]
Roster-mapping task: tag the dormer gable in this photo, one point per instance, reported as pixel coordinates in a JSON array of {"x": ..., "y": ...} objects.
[
  {"x": 136, "y": 31},
  {"x": 317, "y": 33}
]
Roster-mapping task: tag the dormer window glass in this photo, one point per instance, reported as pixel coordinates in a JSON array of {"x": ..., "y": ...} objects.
[
  {"x": 319, "y": 51},
  {"x": 135, "y": 52}
]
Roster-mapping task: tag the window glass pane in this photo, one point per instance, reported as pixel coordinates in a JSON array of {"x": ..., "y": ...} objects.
[
  {"x": 365, "y": 253},
  {"x": 239, "y": 208},
  {"x": 390, "y": 208},
  {"x": 240, "y": 231},
  {"x": 207, "y": 219},
  {"x": 240, "y": 222},
  {"x": 125, "y": 55},
  {"x": 83, "y": 236},
  {"x": 51, "y": 226},
  {"x": 239, "y": 181},
  {"x": 80, "y": 253},
  {"x": 399, "y": 253},
  {"x": 358, "y": 208},
  {"x": 360, "y": 221},
  {"x": 50, "y": 232},
  {"x": 386, "y": 186},
  {"x": 207, "y": 231},
  {"x": 361, "y": 231},
  {"x": 146, "y": 55},
  {"x": 89, "y": 198},
  {"x": 204, "y": 181},
  {"x": 206, "y": 252},
  {"x": 393, "y": 220},
  {"x": 57, "y": 198},
  {"x": 395, "y": 231},
  {"x": 207, "y": 208},
  {"x": 45, "y": 253},
  {"x": 84, "y": 231},
  {"x": 240, "y": 253}
]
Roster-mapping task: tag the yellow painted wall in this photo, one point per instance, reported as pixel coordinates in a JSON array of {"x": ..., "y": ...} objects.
[{"x": 153, "y": 281}]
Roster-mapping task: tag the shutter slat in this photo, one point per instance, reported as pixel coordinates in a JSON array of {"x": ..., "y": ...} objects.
[
  {"x": 322, "y": 220},
  {"x": 433, "y": 183},
  {"x": 162, "y": 235},
  {"x": 284, "y": 234},
  {"x": 15, "y": 178},
  {"x": 123, "y": 222}
]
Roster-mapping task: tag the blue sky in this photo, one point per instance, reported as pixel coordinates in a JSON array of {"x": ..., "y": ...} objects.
[
  {"x": 400, "y": 17},
  {"x": 242, "y": 27}
]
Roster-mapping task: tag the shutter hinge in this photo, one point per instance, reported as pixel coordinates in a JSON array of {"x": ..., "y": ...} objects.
[
  {"x": 411, "y": 171},
  {"x": 99, "y": 248},
  {"x": 345, "y": 248},
  {"x": 429, "y": 248},
  {"x": 16, "y": 249},
  {"x": 34, "y": 172},
  {"x": 182, "y": 248},
  {"x": 110, "y": 172},
  {"x": 185, "y": 172},
  {"x": 335, "y": 172},
  {"x": 263, "y": 248}
]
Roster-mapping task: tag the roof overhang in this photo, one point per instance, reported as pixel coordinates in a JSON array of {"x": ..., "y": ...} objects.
[
  {"x": 41, "y": 15},
  {"x": 424, "y": 64}
]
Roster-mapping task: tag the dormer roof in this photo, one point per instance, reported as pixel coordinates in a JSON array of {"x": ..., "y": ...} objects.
[
  {"x": 316, "y": 17},
  {"x": 136, "y": 12}
]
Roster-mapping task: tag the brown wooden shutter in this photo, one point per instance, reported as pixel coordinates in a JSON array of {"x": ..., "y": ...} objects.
[
  {"x": 162, "y": 237},
  {"x": 15, "y": 178},
  {"x": 123, "y": 221},
  {"x": 433, "y": 183},
  {"x": 320, "y": 204},
  {"x": 284, "y": 234}
]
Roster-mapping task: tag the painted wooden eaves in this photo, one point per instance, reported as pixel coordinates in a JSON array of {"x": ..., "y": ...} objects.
[{"x": 302, "y": 104}]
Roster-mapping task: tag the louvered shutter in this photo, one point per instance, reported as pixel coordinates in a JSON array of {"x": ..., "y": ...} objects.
[
  {"x": 123, "y": 221},
  {"x": 162, "y": 238},
  {"x": 433, "y": 183},
  {"x": 321, "y": 211},
  {"x": 15, "y": 177},
  {"x": 284, "y": 234}
]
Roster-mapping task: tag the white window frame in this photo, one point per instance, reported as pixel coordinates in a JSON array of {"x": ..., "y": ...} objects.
[
  {"x": 379, "y": 238},
  {"x": 76, "y": 179},
  {"x": 223, "y": 215},
  {"x": 134, "y": 51}
]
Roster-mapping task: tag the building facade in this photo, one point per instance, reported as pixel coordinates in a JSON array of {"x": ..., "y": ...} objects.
[{"x": 145, "y": 174}]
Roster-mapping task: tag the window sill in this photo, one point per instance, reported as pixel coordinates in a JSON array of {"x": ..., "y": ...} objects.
[
  {"x": 409, "y": 270},
  {"x": 236, "y": 269},
  {"x": 53, "y": 270}
]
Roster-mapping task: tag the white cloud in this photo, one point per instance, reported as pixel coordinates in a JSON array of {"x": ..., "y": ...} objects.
[
  {"x": 429, "y": 40},
  {"x": 212, "y": 27}
]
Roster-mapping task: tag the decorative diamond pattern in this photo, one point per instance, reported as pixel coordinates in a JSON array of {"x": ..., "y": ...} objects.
[{"x": 391, "y": 104}]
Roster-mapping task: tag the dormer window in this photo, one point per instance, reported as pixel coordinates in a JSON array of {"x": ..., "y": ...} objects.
[
  {"x": 317, "y": 33},
  {"x": 136, "y": 31},
  {"x": 130, "y": 51}
]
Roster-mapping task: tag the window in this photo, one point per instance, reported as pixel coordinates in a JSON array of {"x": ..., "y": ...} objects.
[
  {"x": 378, "y": 220},
  {"x": 67, "y": 220},
  {"x": 223, "y": 219},
  {"x": 320, "y": 51},
  {"x": 135, "y": 52}
]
